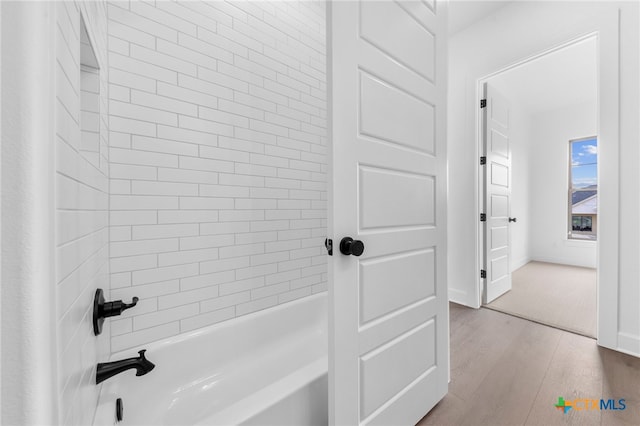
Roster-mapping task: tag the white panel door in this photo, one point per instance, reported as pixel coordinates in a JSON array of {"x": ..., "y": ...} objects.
[
  {"x": 388, "y": 351},
  {"x": 497, "y": 199}
]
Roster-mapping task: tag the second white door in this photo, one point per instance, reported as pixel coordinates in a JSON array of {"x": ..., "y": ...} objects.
[{"x": 497, "y": 194}]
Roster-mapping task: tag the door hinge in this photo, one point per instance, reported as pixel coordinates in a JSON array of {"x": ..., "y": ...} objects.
[
  {"x": 483, "y": 161},
  {"x": 483, "y": 103},
  {"x": 328, "y": 244},
  {"x": 483, "y": 217},
  {"x": 483, "y": 273}
]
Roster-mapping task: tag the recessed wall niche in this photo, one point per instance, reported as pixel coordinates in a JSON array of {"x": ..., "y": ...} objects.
[{"x": 89, "y": 100}]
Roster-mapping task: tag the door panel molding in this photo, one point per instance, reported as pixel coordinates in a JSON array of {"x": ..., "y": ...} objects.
[{"x": 388, "y": 322}]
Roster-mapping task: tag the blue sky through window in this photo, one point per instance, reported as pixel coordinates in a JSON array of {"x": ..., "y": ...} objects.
[{"x": 584, "y": 163}]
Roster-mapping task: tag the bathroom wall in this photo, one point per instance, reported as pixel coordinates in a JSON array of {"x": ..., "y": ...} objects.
[
  {"x": 217, "y": 161},
  {"x": 82, "y": 201}
]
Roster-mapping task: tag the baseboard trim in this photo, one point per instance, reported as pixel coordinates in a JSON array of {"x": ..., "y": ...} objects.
[
  {"x": 461, "y": 298},
  {"x": 629, "y": 344},
  {"x": 520, "y": 263},
  {"x": 561, "y": 261}
]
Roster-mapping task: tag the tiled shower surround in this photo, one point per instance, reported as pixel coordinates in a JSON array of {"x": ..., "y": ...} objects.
[
  {"x": 217, "y": 161},
  {"x": 82, "y": 200}
]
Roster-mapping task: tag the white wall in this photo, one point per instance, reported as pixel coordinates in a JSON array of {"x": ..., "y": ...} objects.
[
  {"x": 539, "y": 160},
  {"x": 501, "y": 40},
  {"x": 82, "y": 202},
  {"x": 552, "y": 131},
  {"x": 218, "y": 161}
]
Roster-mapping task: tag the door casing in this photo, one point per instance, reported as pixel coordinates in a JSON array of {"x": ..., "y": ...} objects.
[{"x": 608, "y": 151}]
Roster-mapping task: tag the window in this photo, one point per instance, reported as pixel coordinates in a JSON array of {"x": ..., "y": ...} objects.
[
  {"x": 582, "y": 223},
  {"x": 583, "y": 188}
]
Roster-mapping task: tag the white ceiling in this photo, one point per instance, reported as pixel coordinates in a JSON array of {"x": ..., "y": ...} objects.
[
  {"x": 567, "y": 76},
  {"x": 559, "y": 79},
  {"x": 463, "y": 13}
]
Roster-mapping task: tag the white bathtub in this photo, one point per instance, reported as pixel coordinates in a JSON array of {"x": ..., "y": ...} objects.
[{"x": 266, "y": 368}]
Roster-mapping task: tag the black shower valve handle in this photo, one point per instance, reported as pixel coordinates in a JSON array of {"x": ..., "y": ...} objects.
[
  {"x": 102, "y": 309},
  {"x": 115, "y": 308}
]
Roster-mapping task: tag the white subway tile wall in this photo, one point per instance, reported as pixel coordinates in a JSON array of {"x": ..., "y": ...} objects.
[
  {"x": 217, "y": 161},
  {"x": 82, "y": 202}
]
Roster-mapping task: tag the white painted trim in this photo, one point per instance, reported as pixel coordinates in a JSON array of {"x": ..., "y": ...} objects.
[
  {"x": 330, "y": 206},
  {"x": 607, "y": 32},
  {"x": 570, "y": 242},
  {"x": 457, "y": 296},
  {"x": 608, "y": 245},
  {"x": 520, "y": 263},
  {"x": 1, "y": 406},
  {"x": 479, "y": 195},
  {"x": 479, "y": 141},
  {"x": 29, "y": 371},
  {"x": 561, "y": 261},
  {"x": 628, "y": 343},
  {"x": 531, "y": 58}
]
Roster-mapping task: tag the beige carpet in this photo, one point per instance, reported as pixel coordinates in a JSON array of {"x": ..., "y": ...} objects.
[{"x": 557, "y": 295}]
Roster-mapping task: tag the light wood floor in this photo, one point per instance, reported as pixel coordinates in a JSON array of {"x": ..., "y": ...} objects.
[
  {"x": 510, "y": 371},
  {"x": 558, "y": 295}
]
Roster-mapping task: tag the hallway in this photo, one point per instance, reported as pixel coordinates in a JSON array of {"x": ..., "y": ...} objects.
[{"x": 509, "y": 371}]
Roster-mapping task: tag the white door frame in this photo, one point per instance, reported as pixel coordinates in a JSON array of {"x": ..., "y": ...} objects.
[
  {"x": 480, "y": 140},
  {"x": 606, "y": 36}
]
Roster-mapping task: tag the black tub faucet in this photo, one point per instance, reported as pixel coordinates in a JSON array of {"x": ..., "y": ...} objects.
[{"x": 110, "y": 369}]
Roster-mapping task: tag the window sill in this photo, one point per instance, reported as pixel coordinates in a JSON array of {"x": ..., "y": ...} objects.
[{"x": 570, "y": 242}]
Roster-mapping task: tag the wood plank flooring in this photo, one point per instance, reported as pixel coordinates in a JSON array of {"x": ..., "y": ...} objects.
[{"x": 510, "y": 371}]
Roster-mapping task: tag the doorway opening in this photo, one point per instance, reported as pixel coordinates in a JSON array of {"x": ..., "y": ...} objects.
[{"x": 538, "y": 189}]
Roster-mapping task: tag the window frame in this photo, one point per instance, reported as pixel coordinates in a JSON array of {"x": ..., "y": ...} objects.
[{"x": 571, "y": 191}]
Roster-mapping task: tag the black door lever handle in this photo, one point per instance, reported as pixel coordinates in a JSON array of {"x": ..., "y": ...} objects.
[{"x": 512, "y": 219}]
